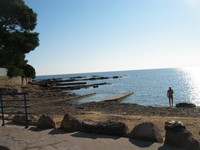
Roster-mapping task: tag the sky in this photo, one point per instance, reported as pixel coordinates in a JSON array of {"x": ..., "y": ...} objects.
[{"x": 79, "y": 36}]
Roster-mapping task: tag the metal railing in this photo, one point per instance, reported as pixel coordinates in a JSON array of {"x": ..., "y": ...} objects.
[{"x": 15, "y": 105}]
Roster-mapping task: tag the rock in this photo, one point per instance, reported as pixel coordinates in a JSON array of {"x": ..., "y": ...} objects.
[
  {"x": 178, "y": 136},
  {"x": 115, "y": 77},
  {"x": 172, "y": 125},
  {"x": 147, "y": 131},
  {"x": 106, "y": 128},
  {"x": 3, "y": 148},
  {"x": 89, "y": 126},
  {"x": 70, "y": 123},
  {"x": 185, "y": 105},
  {"x": 21, "y": 119},
  {"x": 45, "y": 122},
  {"x": 33, "y": 120}
]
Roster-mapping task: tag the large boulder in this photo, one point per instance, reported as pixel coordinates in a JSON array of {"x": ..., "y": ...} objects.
[
  {"x": 70, "y": 123},
  {"x": 45, "y": 122},
  {"x": 185, "y": 105},
  {"x": 106, "y": 128},
  {"x": 89, "y": 126},
  {"x": 178, "y": 136},
  {"x": 147, "y": 131}
]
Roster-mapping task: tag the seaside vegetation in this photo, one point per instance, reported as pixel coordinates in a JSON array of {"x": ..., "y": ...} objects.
[{"x": 17, "y": 38}]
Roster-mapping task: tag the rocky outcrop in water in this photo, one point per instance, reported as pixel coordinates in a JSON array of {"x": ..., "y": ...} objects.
[{"x": 73, "y": 83}]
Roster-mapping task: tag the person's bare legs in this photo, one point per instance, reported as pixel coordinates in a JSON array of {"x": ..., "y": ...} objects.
[{"x": 172, "y": 101}]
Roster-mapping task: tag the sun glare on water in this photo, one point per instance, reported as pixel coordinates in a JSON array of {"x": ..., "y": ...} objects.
[{"x": 193, "y": 80}]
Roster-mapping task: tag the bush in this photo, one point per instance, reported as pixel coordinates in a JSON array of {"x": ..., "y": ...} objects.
[
  {"x": 29, "y": 71},
  {"x": 15, "y": 71}
]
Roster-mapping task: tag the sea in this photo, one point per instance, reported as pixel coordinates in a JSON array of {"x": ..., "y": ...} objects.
[{"x": 149, "y": 86}]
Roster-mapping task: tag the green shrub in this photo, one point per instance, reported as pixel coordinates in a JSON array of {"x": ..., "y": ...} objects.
[
  {"x": 15, "y": 71},
  {"x": 29, "y": 71}
]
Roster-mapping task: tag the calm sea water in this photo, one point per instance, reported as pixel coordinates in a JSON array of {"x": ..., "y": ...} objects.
[{"x": 149, "y": 86}]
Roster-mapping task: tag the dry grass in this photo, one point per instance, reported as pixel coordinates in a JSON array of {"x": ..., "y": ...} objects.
[{"x": 192, "y": 124}]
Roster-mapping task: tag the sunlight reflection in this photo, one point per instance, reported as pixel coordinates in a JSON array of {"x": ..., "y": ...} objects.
[{"x": 192, "y": 76}]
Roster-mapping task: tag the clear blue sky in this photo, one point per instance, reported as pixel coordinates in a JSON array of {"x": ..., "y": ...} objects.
[{"x": 79, "y": 36}]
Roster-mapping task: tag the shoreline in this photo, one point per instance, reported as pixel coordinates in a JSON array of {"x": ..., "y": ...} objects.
[
  {"x": 51, "y": 101},
  {"x": 131, "y": 114},
  {"x": 54, "y": 102}
]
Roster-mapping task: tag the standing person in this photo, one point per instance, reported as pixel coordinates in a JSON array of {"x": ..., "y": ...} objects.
[{"x": 170, "y": 93}]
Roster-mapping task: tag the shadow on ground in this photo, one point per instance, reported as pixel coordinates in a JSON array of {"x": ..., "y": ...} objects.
[
  {"x": 92, "y": 136},
  {"x": 52, "y": 132},
  {"x": 141, "y": 144},
  {"x": 145, "y": 144},
  {"x": 167, "y": 147}
]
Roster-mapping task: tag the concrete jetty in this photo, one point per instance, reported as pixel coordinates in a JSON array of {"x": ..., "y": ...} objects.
[{"x": 118, "y": 97}]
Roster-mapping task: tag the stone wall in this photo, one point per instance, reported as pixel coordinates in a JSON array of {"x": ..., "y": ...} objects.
[{"x": 14, "y": 81}]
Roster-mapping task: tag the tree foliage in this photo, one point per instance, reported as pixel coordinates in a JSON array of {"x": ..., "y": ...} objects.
[
  {"x": 29, "y": 71},
  {"x": 17, "y": 22},
  {"x": 14, "y": 71}
]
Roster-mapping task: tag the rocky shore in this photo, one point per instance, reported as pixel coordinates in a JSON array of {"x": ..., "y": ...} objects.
[
  {"x": 44, "y": 99},
  {"x": 52, "y": 101},
  {"x": 55, "y": 103}
]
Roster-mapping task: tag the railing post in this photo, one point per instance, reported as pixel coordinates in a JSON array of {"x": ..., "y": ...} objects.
[
  {"x": 2, "y": 112},
  {"x": 25, "y": 107}
]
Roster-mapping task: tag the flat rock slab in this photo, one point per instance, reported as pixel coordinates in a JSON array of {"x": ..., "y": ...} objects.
[
  {"x": 118, "y": 97},
  {"x": 17, "y": 138}
]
